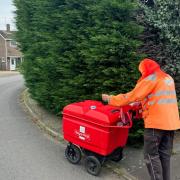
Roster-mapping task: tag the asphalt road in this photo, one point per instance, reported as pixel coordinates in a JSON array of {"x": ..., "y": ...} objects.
[{"x": 25, "y": 152}]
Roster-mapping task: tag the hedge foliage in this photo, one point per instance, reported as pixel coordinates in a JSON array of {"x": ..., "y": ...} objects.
[
  {"x": 162, "y": 21},
  {"x": 76, "y": 50}
]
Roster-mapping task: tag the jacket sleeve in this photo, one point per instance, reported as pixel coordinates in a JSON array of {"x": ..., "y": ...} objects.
[{"x": 141, "y": 90}]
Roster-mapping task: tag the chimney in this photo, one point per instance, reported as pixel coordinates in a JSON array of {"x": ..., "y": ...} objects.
[{"x": 8, "y": 28}]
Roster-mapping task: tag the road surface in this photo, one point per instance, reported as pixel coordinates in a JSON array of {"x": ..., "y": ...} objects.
[{"x": 25, "y": 152}]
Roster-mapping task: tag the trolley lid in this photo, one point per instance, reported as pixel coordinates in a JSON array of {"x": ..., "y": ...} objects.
[{"x": 93, "y": 111}]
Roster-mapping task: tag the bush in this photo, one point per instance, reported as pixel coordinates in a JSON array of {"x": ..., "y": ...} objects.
[{"x": 76, "y": 50}]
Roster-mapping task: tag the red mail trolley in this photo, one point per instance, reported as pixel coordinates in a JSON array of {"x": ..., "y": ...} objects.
[{"x": 96, "y": 130}]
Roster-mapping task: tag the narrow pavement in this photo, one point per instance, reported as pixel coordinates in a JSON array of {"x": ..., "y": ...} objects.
[{"x": 25, "y": 152}]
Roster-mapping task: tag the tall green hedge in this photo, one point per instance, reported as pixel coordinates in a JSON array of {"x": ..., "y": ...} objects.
[{"x": 76, "y": 50}]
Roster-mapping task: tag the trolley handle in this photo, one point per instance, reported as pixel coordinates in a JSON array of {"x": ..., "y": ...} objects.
[
  {"x": 129, "y": 117},
  {"x": 115, "y": 111}
]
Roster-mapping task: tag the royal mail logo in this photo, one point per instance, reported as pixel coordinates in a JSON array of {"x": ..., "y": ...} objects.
[{"x": 81, "y": 133}]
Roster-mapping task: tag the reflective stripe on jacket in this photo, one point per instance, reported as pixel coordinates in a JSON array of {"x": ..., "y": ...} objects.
[{"x": 158, "y": 97}]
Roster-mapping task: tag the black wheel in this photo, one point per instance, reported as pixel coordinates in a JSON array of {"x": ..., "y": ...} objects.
[
  {"x": 117, "y": 155},
  {"x": 73, "y": 153},
  {"x": 93, "y": 166}
]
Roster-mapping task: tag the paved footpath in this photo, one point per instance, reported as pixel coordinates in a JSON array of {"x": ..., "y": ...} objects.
[
  {"x": 8, "y": 73},
  {"x": 131, "y": 167}
]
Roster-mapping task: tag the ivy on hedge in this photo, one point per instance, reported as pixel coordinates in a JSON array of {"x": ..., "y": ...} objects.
[{"x": 164, "y": 19}]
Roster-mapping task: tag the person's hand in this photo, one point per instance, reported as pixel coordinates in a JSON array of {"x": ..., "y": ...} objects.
[
  {"x": 105, "y": 97},
  {"x": 135, "y": 104}
]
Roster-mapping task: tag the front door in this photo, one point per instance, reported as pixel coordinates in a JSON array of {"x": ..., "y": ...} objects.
[{"x": 13, "y": 64}]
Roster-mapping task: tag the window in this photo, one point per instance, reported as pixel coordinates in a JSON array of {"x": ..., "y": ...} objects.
[
  {"x": 2, "y": 59},
  {"x": 12, "y": 61},
  {"x": 13, "y": 43}
]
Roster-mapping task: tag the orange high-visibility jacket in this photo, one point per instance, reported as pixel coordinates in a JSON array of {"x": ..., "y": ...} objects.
[{"x": 156, "y": 92}]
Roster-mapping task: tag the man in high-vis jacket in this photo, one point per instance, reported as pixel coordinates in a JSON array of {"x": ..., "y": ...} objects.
[{"x": 156, "y": 92}]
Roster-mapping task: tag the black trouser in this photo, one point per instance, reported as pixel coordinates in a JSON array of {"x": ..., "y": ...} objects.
[{"x": 157, "y": 152}]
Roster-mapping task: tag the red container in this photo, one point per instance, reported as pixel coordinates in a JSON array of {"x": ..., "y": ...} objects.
[{"x": 94, "y": 126}]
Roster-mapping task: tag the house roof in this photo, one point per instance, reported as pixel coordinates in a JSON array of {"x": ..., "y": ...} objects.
[{"x": 8, "y": 34}]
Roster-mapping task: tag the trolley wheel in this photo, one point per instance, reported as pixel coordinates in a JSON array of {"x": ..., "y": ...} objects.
[
  {"x": 117, "y": 155},
  {"x": 92, "y": 165},
  {"x": 73, "y": 153}
]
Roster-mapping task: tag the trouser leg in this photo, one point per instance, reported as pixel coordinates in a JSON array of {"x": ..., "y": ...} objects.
[
  {"x": 151, "y": 153},
  {"x": 165, "y": 151},
  {"x": 165, "y": 167}
]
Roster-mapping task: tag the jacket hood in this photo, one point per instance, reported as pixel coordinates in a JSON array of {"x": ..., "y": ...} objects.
[{"x": 147, "y": 67}]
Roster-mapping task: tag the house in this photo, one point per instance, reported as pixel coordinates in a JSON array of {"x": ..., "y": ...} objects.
[{"x": 10, "y": 55}]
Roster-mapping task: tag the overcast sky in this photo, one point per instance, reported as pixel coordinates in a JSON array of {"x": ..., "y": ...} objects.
[{"x": 6, "y": 14}]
